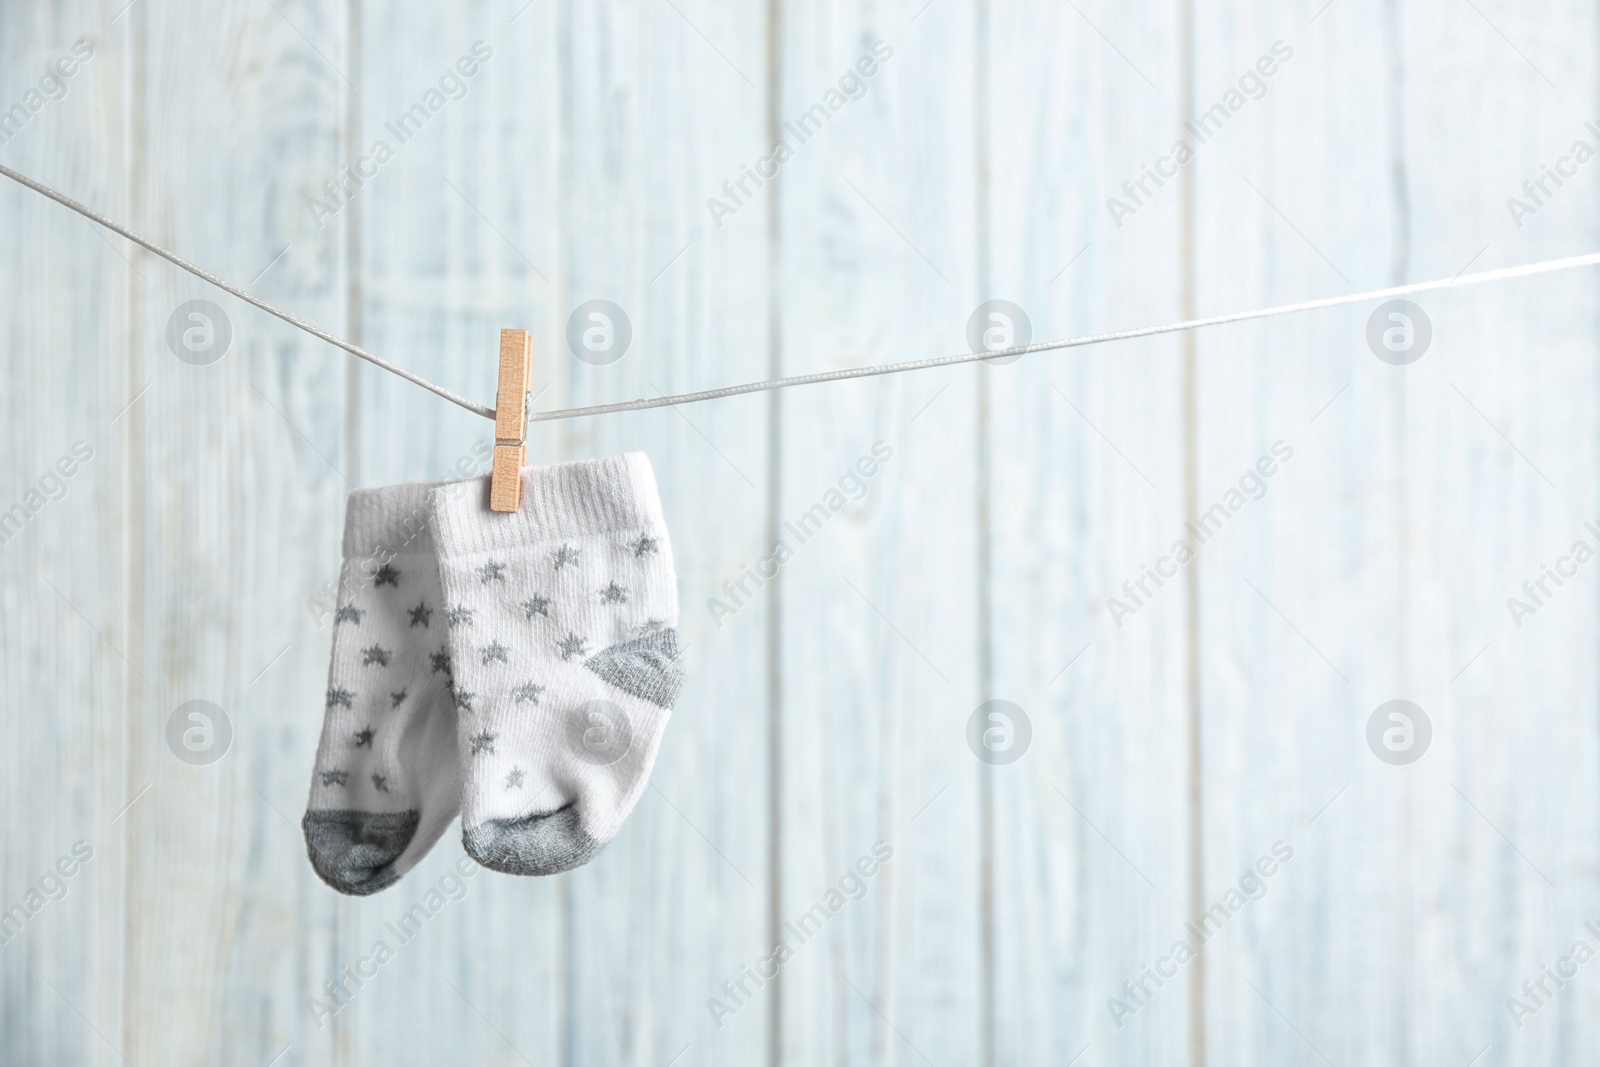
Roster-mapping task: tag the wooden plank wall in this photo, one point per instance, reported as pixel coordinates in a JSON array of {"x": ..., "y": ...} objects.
[{"x": 191, "y": 556}]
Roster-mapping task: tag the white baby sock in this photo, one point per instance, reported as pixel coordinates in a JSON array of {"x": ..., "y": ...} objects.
[
  {"x": 563, "y": 652},
  {"x": 387, "y": 779}
]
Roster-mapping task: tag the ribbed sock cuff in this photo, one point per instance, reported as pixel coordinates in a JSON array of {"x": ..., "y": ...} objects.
[
  {"x": 381, "y": 524},
  {"x": 585, "y": 497}
]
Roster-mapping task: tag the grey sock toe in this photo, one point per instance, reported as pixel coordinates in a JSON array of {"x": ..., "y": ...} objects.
[
  {"x": 355, "y": 851},
  {"x": 548, "y": 843}
]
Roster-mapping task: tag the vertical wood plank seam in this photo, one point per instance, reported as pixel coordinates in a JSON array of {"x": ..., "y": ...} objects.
[
  {"x": 984, "y": 567},
  {"x": 774, "y": 502},
  {"x": 350, "y": 236},
  {"x": 1402, "y": 196},
  {"x": 566, "y": 82},
  {"x": 137, "y": 712},
  {"x": 1192, "y": 734},
  {"x": 1405, "y": 954},
  {"x": 352, "y": 249}
]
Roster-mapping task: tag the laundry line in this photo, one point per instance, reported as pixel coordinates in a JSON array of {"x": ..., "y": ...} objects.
[{"x": 1392, "y": 292}]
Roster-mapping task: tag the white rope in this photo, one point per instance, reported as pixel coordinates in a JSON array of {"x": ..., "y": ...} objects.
[
  {"x": 1545, "y": 267},
  {"x": 376, "y": 361},
  {"x": 1481, "y": 277}
]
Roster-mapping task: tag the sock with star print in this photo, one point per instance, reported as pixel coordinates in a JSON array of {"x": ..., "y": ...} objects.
[
  {"x": 387, "y": 779},
  {"x": 561, "y": 620}
]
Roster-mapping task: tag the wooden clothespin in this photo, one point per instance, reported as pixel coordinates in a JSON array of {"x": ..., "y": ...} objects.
[{"x": 511, "y": 420}]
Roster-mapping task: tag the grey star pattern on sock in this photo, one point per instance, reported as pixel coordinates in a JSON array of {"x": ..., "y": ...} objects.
[
  {"x": 340, "y": 698},
  {"x": 386, "y": 575},
  {"x": 396, "y": 699},
  {"x": 375, "y": 654},
  {"x": 333, "y": 778},
  {"x": 420, "y": 615},
  {"x": 363, "y": 737},
  {"x": 348, "y": 613},
  {"x": 605, "y": 630},
  {"x": 380, "y": 782},
  {"x": 440, "y": 661}
]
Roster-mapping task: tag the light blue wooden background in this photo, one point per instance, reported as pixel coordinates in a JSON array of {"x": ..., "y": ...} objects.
[{"x": 1167, "y": 754}]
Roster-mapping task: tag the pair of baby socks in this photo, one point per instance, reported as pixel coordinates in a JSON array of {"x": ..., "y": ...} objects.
[{"x": 515, "y": 669}]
